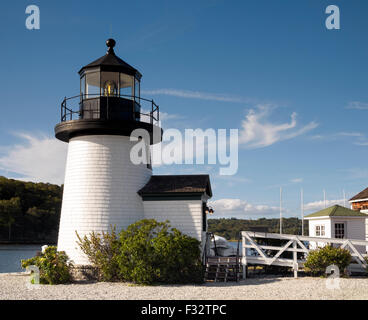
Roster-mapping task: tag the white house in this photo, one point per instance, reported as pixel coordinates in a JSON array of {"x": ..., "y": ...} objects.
[{"x": 337, "y": 222}]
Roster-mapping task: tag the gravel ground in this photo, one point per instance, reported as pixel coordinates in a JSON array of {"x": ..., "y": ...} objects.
[{"x": 15, "y": 286}]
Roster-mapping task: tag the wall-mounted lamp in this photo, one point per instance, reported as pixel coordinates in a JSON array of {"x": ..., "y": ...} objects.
[{"x": 209, "y": 210}]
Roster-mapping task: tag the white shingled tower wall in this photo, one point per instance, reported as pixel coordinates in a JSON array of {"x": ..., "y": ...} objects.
[{"x": 100, "y": 189}]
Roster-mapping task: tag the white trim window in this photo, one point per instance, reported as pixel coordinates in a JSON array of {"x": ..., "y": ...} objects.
[
  {"x": 320, "y": 231},
  {"x": 340, "y": 230}
]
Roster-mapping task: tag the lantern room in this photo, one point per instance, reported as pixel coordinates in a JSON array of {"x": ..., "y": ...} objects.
[
  {"x": 109, "y": 102},
  {"x": 110, "y": 88}
]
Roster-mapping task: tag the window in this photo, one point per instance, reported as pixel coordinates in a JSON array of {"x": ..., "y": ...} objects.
[
  {"x": 126, "y": 86},
  {"x": 109, "y": 82},
  {"x": 340, "y": 230},
  {"x": 83, "y": 86},
  {"x": 93, "y": 84},
  {"x": 137, "y": 92},
  {"x": 320, "y": 231}
]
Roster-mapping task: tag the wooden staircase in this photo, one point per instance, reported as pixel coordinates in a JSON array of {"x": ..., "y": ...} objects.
[{"x": 223, "y": 269}]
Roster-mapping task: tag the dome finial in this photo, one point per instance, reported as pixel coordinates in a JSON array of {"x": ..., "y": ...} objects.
[{"x": 110, "y": 44}]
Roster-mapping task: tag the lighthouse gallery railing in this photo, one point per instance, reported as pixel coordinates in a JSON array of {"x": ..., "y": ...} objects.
[{"x": 69, "y": 111}]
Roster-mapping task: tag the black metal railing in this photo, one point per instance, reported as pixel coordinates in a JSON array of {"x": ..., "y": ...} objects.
[
  {"x": 207, "y": 246},
  {"x": 72, "y": 108},
  {"x": 238, "y": 257}
]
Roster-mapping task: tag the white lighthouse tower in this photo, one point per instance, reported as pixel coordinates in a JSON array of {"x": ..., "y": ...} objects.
[{"x": 101, "y": 182}]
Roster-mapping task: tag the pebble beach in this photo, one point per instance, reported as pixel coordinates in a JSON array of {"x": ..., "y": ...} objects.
[{"x": 17, "y": 287}]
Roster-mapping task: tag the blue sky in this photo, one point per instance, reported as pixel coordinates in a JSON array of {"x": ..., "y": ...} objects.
[{"x": 253, "y": 65}]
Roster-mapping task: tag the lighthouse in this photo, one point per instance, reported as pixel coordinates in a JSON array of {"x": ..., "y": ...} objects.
[
  {"x": 101, "y": 182},
  {"x": 103, "y": 187}
]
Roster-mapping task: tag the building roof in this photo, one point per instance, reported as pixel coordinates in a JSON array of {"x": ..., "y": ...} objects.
[
  {"x": 111, "y": 62},
  {"x": 336, "y": 211},
  {"x": 361, "y": 195},
  {"x": 177, "y": 184}
]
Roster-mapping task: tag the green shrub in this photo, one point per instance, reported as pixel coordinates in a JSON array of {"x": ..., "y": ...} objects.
[
  {"x": 318, "y": 260},
  {"x": 102, "y": 250},
  {"x": 53, "y": 265},
  {"x": 146, "y": 252},
  {"x": 153, "y": 252}
]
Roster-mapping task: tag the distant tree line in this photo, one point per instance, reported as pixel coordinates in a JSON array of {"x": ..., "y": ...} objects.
[
  {"x": 29, "y": 212},
  {"x": 230, "y": 228}
]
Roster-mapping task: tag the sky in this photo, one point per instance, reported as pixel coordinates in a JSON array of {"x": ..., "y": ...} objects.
[{"x": 296, "y": 91}]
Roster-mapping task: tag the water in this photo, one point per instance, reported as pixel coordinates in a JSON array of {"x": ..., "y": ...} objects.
[
  {"x": 234, "y": 244},
  {"x": 11, "y": 254}
]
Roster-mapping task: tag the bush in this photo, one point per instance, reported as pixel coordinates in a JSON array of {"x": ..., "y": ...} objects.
[
  {"x": 152, "y": 252},
  {"x": 146, "y": 252},
  {"x": 53, "y": 265},
  {"x": 102, "y": 251},
  {"x": 318, "y": 260}
]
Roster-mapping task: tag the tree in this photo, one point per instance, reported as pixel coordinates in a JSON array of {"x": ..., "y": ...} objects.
[
  {"x": 40, "y": 211},
  {"x": 9, "y": 210}
]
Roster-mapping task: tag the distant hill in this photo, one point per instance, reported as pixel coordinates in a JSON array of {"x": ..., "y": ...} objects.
[
  {"x": 230, "y": 228},
  {"x": 29, "y": 212}
]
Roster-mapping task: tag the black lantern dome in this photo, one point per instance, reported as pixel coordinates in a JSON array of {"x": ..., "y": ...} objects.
[
  {"x": 111, "y": 62},
  {"x": 109, "y": 101}
]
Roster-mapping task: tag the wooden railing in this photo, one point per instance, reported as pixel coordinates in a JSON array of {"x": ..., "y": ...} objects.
[{"x": 298, "y": 245}]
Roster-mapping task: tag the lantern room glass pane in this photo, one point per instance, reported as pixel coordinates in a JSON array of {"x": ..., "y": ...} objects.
[
  {"x": 92, "y": 84},
  {"x": 137, "y": 90},
  {"x": 126, "y": 86},
  {"x": 109, "y": 83},
  {"x": 83, "y": 86}
]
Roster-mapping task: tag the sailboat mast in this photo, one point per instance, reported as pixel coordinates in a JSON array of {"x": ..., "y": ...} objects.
[
  {"x": 280, "y": 210},
  {"x": 302, "y": 209}
]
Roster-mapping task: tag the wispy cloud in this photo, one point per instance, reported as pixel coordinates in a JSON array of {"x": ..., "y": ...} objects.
[
  {"x": 356, "y": 138},
  {"x": 319, "y": 205},
  {"x": 164, "y": 116},
  {"x": 258, "y": 132},
  {"x": 296, "y": 180},
  {"x": 230, "y": 181},
  {"x": 362, "y": 142},
  {"x": 198, "y": 95},
  {"x": 356, "y": 173},
  {"x": 285, "y": 184},
  {"x": 361, "y": 138},
  {"x": 241, "y": 209},
  {"x": 36, "y": 158},
  {"x": 357, "y": 105}
]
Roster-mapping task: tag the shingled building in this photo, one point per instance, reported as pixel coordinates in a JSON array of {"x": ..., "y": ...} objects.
[
  {"x": 181, "y": 199},
  {"x": 360, "y": 203}
]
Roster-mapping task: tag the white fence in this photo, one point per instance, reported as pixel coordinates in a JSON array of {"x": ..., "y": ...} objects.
[{"x": 295, "y": 244}]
